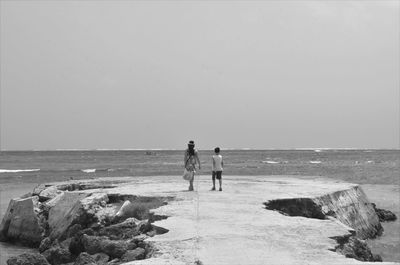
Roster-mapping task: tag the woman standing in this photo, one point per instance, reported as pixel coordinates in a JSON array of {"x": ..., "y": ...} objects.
[{"x": 190, "y": 160}]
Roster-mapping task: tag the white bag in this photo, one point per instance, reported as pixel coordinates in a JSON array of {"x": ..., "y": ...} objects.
[{"x": 187, "y": 175}]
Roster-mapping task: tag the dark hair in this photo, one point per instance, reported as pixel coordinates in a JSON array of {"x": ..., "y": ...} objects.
[{"x": 216, "y": 150}]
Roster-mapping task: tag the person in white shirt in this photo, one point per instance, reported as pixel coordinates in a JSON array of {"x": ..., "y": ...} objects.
[{"x": 217, "y": 168}]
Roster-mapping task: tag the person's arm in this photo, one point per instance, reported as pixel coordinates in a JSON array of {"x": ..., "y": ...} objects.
[
  {"x": 222, "y": 162},
  {"x": 185, "y": 159},
  {"x": 198, "y": 159},
  {"x": 213, "y": 163}
]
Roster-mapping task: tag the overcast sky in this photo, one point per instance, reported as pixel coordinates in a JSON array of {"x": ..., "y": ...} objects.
[{"x": 156, "y": 74}]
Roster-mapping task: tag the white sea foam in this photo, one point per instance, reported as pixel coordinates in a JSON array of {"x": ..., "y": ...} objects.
[
  {"x": 89, "y": 170},
  {"x": 271, "y": 162},
  {"x": 17, "y": 170},
  {"x": 315, "y": 162},
  {"x": 370, "y": 162}
]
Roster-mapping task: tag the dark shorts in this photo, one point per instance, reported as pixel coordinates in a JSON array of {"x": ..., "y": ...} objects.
[{"x": 216, "y": 174}]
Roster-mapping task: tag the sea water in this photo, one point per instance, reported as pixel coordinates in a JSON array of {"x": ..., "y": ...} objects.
[{"x": 377, "y": 171}]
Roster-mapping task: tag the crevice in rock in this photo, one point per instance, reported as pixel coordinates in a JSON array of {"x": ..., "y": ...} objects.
[
  {"x": 120, "y": 198},
  {"x": 305, "y": 207}
]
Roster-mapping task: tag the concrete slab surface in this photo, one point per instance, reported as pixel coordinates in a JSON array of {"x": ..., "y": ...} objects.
[{"x": 233, "y": 226}]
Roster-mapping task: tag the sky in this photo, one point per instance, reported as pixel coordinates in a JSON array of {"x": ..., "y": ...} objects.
[{"x": 234, "y": 74}]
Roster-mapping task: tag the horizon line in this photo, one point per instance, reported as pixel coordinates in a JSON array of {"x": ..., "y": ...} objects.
[{"x": 175, "y": 149}]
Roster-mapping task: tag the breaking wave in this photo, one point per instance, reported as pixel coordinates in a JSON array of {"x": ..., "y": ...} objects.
[
  {"x": 17, "y": 170},
  {"x": 89, "y": 170}
]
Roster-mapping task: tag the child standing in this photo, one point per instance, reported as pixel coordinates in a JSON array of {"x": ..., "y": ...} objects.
[{"x": 217, "y": 168}]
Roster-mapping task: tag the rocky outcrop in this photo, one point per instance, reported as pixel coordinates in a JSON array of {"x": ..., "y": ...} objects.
[
  {"x": 49, "y": 193},
  {"x": 85, "y": 259},
  {"x": 352, "y": 247},
  {"x": 65, "y": 213},
  {"x": 384, "y": 215},
  {"x": 28, "y": 259},
  {"x": 125, "y": 230},
  {"x": 101, "y": 258},
  {"x": 58, "y": 255},
  {"x": 74, "y": 227},
  {"x": 351, "y": 207},
  {"x": 21, "y": 223},
  {"x": 136, "y": 254}
]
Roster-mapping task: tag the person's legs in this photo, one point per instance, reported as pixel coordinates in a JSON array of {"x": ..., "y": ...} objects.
[
  {"x": 219, "y": 177},
  {"x": 213, "y": 180},
  {"x": 191, "y": 182}
]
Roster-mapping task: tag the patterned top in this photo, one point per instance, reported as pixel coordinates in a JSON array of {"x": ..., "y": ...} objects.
[{"x": 191, "y": 160}]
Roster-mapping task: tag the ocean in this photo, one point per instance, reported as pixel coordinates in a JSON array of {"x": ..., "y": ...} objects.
[{"x": 378, "y": 171}]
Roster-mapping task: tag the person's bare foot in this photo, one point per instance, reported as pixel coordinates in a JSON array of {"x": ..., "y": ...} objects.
[
  {"x": 220, "y": 189},
  {"x": 213, "y": 188}
]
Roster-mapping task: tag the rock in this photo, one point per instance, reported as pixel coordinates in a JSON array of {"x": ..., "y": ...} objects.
[
  {"x": 139, "y": 238},
  {"x": 38, "y": 189},
  {"x": 101, "y": 258},
  {"x": 74, "y": 230},
  {"x": 384, "y": 215},
  {"x": 76, "y": 246},
  {"x": 357, "y": 249},
  {"x": 91, "y": 211},
  {"x": 66, "y": 243},
  {"x": 151, "y": 233},
  {"x": 95, "y": 226},
  {"x": 144, "y": 227},
  {"x": 124, "y": 230},
  {"x": 89, "y": 232},
  {"x": 28, "y": 259},
  {"x": 52, "y": 202},
  {"x": 49, "y": 193},
  {"x": 113, "y": 248},
  {"x": 141, "y": 244},
  {"x": 64, "y": 213},
  {"x": 92, "y": 244},
  {"x": 124, "y": 208},
  {"x": 57, "y": 255},
  {"x": 138, "y": 253},
  {"x": 114, "y": 262},
  {"x": 85, "y": 259},
  {"x": 95, "y": 198},
  {"x": 21, "y": 223},
  {"x": 69, "y": 186},
  {"x": 45, "y": 244}
]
